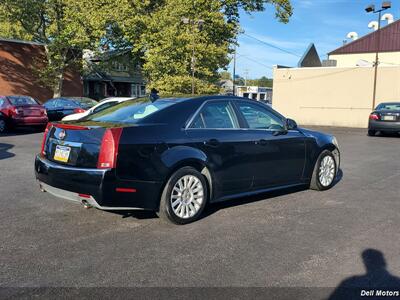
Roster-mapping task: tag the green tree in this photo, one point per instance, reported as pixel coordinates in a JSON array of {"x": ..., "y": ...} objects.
[
  {"x": 225, "y": 75},
  {"x": 66, "y": 27},
  {"x": 170, "y": 49},
  {"x": 151, "y": 29},
  {"x": 265, "y": 82}
]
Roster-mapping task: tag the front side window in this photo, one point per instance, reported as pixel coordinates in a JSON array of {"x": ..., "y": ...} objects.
[
  {"x": 215, "y": 115},
  {"x": 258, "y": 117}
]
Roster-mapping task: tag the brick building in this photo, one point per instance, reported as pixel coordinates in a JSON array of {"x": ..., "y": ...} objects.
[{"x": 18, "y": 59}]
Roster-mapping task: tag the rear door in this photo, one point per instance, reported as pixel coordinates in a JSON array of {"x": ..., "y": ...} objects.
[
  {"x": 279, "y": 155},
  {"x": 215, "y": 130}
]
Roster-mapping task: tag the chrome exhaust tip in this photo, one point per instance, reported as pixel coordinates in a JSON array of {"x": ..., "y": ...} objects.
[{"x": 86, "y": 205}]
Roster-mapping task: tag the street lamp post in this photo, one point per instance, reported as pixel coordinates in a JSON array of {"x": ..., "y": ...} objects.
[
  {"x": 371, "y": 9},
  {"x": 193, "y": 25}
]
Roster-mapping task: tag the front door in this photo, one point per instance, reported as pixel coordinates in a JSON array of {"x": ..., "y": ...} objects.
[{"x": 279, "y": 155}]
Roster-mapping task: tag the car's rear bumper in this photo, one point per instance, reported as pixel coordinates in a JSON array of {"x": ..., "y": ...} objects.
[
  {"x": 98, "y": 188},
  {"x": 384, "y": 126},
  {"x": 29, "y": 121}
]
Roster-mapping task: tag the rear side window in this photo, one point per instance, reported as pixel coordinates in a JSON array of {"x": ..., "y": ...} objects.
[
  {"x": 21, "y": 100},
  {"x": 215, "y": 115},
  {"x": 1, "y": 102},
  {"x": 131, "y": 111}
]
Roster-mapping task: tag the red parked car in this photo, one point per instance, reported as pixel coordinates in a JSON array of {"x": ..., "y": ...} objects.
[{"x": 21, "y": 111}]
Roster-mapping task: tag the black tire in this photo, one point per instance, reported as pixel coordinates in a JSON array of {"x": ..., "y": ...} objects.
[
  {"x": 166, "y": 212},
  {"x": 3, "y": 125},
  {"x": 371, "y": 132},
  {"x": 316, "y": 183}
]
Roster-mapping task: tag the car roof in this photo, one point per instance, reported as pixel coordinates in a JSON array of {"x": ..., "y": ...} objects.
[
  {"x": 25, "y": 96},
  {"x": 204, "y": 98},
  {"x": 73, "y": 98},
  {"x": 390, "y": 103},
  {"x": 117, "y": 99}
]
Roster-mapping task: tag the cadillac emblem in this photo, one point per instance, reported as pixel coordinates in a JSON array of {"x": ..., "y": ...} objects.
[{"x": 61, "y": 135}]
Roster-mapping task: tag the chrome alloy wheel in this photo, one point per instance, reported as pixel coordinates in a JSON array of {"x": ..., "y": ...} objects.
[
  {"x": 187, "y": 196},
  {"x": 327, "y": 171}
]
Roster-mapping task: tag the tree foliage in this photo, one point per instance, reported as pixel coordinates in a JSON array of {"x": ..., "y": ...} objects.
[
  {"x": 151, "y": 29},
  {"x": 168, "y": 46},
  {"x": 66, "y": 27}
]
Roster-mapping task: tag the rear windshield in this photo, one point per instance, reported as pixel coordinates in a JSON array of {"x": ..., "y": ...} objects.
[
  {"x": 130, "y": 111},
  {"x": 82, "y": 102},
  {"x": 22, "y": 100},
  {"x": 388, "y": 106},
  {"x": 88, "y": 101}
]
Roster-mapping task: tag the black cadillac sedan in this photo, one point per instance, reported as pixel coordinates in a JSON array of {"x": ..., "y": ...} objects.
[
  {"x": 385, "y": 119},
  {"x": 174, "y": 156}
]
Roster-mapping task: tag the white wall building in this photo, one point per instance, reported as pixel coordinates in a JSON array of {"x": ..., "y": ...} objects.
[{"x": 255, "y": 93}]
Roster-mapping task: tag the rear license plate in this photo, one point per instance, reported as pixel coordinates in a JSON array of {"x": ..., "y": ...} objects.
[
  {"x": 62, "y": 153},
  {"x": 389, "y": 118}
]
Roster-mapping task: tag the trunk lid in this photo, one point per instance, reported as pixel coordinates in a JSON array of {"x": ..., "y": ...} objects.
[
  {"x": 74, "y": 145},
  {"x": 388, "y": 115},
  {"x": 30, "y": 110}
]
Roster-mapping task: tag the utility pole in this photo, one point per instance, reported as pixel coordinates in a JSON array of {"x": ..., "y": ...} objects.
[
  {"x": 234, "y": 72},
  {"x": 194, "y": 24},
  {"x": 371, "y": 9},
  {"x": 246, "y": 74}
]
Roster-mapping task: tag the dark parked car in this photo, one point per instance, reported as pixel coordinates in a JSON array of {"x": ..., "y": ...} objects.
[
  {"x": 21, "y": 111},
  {"x": 175, "y": 155},
  {"x": 385, "y": 119},
  {"x": 58, "y": 108}
]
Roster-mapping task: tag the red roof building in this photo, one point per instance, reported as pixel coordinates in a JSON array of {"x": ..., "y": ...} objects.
[{"x": 386, "y": 41}]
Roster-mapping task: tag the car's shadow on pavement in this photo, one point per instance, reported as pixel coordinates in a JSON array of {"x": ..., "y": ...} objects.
[
  {"x": 4, "y": 151},
  {"x": 215, "y": 207},
  {"x": 22, "y": 131},
  {"x": 386, "y": 135}
]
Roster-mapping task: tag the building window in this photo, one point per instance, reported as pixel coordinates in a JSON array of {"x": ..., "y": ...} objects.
[
  {"x": 134, "y": 90},
  {"x": 142, "y": 90}
]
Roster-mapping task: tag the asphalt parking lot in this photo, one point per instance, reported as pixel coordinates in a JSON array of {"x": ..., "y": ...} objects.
[{"x": 293, "y": 238}]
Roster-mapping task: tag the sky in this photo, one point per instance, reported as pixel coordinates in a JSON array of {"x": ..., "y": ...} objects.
[{"x": 325, "y": 23}]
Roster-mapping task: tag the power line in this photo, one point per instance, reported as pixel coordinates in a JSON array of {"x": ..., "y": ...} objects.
[
  {"x": 255, "y": 61},
  {"x": 271, "y": 45}
]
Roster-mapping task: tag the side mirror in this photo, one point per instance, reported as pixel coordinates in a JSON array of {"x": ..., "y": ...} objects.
[{"x": 291, "y": 124}]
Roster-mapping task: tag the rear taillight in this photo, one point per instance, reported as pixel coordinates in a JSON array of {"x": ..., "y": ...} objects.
[
  {"x": 374, "y": 116},
  {"x": 43, "y": 152},
  {"x": 13, "y": 111},
  {"x": 78, "y": 110},
  {"x": 109, "y": 148}
]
